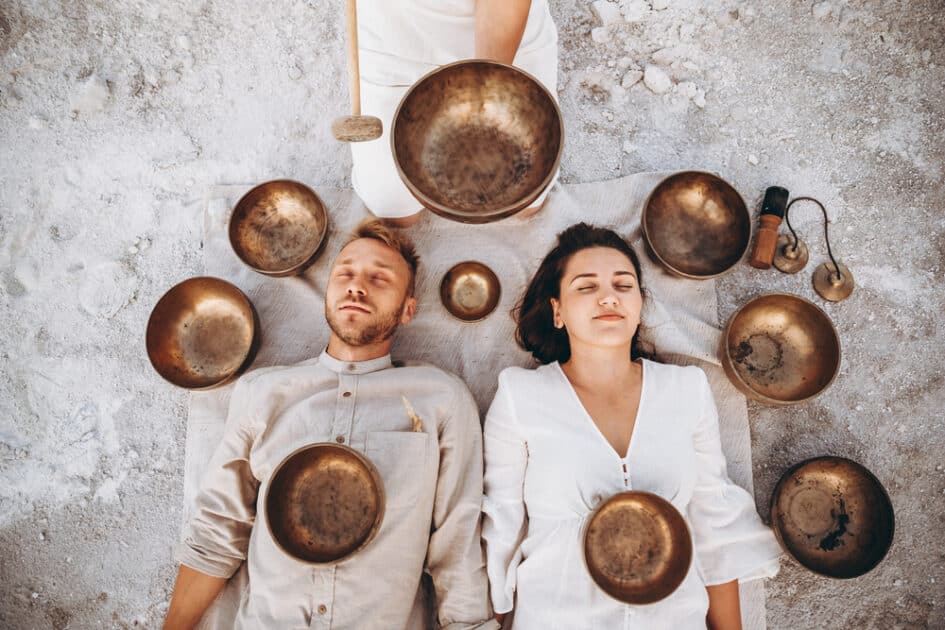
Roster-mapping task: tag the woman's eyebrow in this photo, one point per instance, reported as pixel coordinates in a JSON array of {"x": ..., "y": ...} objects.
[
  {"x": 625, "y": 273},
  {"x": 582, "y": 275}
]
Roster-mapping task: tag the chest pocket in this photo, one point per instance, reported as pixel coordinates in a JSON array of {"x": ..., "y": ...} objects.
[{"x": 400, "y": 458}]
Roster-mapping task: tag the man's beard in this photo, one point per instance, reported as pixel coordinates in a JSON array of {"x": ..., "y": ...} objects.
[{"x": 381, "y": 328}]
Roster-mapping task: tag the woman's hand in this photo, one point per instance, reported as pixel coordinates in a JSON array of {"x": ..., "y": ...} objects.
[
  {"x": 499, "y": 28},
  {"x": 724, "y": 608}
]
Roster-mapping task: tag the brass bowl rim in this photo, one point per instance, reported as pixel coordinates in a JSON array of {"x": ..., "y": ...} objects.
[
  {"x": 505, "y": 211},
  {"x": 378, "y": 483},
  {"x": 489, "y": 272},
  {"x": 309, "y": 258},
  {"x": 868, "y": 475},
  {"x": 248, "y": 356},
  {"x": 661, "y": 260},
  {"x": 601, "y": 506},
  {"x": 745, "y": 388}
]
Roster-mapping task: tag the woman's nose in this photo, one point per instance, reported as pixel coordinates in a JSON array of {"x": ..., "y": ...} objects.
[{"x": 609, "y": 301}]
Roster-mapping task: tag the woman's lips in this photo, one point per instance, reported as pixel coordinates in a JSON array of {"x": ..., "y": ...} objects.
[{"x": 612, "y": 317}]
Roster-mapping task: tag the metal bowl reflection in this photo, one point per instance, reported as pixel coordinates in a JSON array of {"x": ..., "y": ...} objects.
[{"x": 470, "y": 291}]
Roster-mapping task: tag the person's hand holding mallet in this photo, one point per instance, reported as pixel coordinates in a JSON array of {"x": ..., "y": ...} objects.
[{"x": 355, "y": 128}]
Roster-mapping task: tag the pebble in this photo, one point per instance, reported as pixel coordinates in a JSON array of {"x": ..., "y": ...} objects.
[
  {"x": 753, "y": 159},
  {"x": 600, "y": 35},
  {"x": 659, "y": 5},
  {"x": 605, "y": 11},
  {"x": 632, "y": 77},
  {"x": 90, "y": 96},
  {"x": 822, "y": 10},
  {"x": 657, "y": 80},
  {"x": 635, "y": 10}
]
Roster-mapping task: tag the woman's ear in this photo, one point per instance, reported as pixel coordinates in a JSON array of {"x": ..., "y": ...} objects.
[{"x": 556, "y": 316}]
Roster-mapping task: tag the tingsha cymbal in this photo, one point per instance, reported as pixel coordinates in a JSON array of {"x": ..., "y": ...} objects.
[
  {"x": 637, "y": 547},
  {"x": 202, "y": 333},
  {"x": 833, "y": 516},
  {"x": 325, "y": 503}
]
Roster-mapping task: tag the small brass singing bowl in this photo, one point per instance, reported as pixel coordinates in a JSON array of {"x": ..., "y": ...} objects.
[
  {"x": 833, "y": 516},
  {"x": 470, "y": 291},
  {"x": 279, "y": 227},
  {"x": 696, "y": 225},
  {"x": 202, "y": 333},
  {"x": 781, "y": 349},
  {"x": 325, "y": 503},
  {"x": 637, "y": 547},
  {"x": 476, "y": 141}
]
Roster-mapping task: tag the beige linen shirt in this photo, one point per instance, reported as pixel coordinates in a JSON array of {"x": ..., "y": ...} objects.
[{"x": 432, "y": 480}]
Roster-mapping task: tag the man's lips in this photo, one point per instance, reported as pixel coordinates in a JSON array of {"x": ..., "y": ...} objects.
[{"x": 353, "y": 307}]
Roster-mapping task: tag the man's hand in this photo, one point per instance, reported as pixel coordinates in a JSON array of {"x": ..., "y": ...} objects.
[
  {"x": 499, "y": 28},
  {"x": 193, "y": 593}
]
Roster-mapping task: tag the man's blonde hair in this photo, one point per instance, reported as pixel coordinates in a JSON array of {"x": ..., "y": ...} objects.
[{"x": 379, "y": 231}]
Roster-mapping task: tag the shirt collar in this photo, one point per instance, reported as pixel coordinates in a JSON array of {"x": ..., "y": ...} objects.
[{"x": 353, "y": 367}]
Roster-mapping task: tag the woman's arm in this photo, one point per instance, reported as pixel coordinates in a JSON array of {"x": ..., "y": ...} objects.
[
  {"x": 499, "y": 28},
  {"x": 193, "y": 593},
  {"x": 724, "y": 610}
]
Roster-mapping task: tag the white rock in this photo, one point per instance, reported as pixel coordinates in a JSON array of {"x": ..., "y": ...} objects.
[
  {"x": 605, "y": 11},
  {"x": 657, "y": 80},
  {"x": 36, "y": 123},
  {"x": 90, "y": 96},
  {"x": 623, "y": 63},
  {"x": 699, "y": 99},
  {"x": 665, "y": 56},
  {"x": 821, "y": 10},
  {"x": 659, "y": 5},
  {"x": 627, "y": 146},
  {"x": 753, "y": 159},
  {"x": 635, "y": 10},
  {"x": 183, "y": 42},
  {"x": 600, "y": 35},
  {"x": 631, "y": 78}
]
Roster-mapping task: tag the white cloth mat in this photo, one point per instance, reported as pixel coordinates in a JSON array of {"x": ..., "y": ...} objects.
[{"x": 680, "y": 316}]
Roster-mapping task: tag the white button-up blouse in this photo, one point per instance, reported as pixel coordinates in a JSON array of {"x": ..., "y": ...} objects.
[{"x": 547, "y": 466}]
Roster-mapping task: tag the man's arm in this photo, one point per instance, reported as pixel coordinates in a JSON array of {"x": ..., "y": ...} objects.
[
  {"x": 193, "y": 593},
  {"x": 218, "y": 534},
  {"x": 454, "y": 555},
  {"x": 500, "y": 25}
]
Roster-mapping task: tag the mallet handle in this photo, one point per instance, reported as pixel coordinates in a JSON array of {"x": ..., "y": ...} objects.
[{"x": 353, "y": 72}]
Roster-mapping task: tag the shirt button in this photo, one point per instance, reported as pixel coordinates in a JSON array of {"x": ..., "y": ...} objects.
[
  {"x": 351, "y": 367},
  {"x": 346, "y": 394},
  {"x": 322, "y": 609},
  {"x": 340, "y": 439}
]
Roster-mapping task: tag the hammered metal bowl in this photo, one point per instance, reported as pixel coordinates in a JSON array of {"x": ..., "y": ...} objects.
[
  {"x": 833, "y": 516},
  {"x": 202, "y": 333},
  {"x": 637, "y": 547},
  {"x": 696, "y": 225},
  {"x": 476, "y": 141},
  {"x": 470, "y": 291},
  {"x": 781, "y": 349},
  {"x": 325, "y": 502},
  {"x": 278, "y": 228}
]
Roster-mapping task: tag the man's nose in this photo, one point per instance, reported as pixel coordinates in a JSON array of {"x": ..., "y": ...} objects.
[{"x": 356, "y": 287}]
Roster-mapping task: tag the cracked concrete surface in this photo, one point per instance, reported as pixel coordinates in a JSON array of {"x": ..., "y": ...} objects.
[{"x": 116, "y": 117}]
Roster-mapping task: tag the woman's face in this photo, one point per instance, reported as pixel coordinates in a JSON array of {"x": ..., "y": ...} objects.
[{"x": 600, "y": 299}]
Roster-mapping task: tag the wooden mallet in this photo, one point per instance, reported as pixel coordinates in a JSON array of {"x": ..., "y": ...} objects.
[{"x": 355, "y": 128}]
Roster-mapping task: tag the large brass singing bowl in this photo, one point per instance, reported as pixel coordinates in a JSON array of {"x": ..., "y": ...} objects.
[
  {"x": 833, "y": 516},
  {"x": 696, "y": 225},
  {"x": 470, "y": 291},
  {"x": 325, "y": 503},
  {"x": 202, "y": 333},
  {"x": 637, "y": 547},
  {"x": 278, "y": 227},
  {"x": 476, "y": 141},
  {"x": 781, "y": 349}
]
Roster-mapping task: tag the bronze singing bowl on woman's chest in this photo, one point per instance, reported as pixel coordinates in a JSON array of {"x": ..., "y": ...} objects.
[
  {"x": 476, "y": 141},
  {"x": 279, "y": 227},
  {"x": 696, "y": 225},
  {"x": 833, "y": 516},
  {"x": 202, "y": 333},
  {"x": 637, "y": 547},
  {"x": 325, "y": 503},
  {"x": 781, "y": 349}
]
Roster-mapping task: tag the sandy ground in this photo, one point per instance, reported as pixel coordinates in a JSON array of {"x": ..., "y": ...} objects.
[{"x": 116, "y": 116}]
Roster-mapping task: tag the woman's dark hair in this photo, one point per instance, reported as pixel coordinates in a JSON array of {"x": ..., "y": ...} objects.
[{"x": 533, "y": 314}]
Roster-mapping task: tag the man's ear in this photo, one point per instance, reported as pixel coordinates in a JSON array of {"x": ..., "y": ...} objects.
[{"x": 410, "y": 309}]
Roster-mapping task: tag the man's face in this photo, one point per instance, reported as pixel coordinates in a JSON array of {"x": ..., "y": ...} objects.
[{"x": 366, "y": 298}]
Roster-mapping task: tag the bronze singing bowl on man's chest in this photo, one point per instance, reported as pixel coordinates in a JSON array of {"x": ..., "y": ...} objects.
[
  {"x": 202, "y": 333},
  {"x": 278, "y": 227},
  {"x": 325, "y": 503},
  {"x": 637, "y": 547},
  {"x": 781, "y": 349},
  {"x": 696, "y": 225},
  {"x": 476, "y": 141},
  {"x": 833, "y": 516}
]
